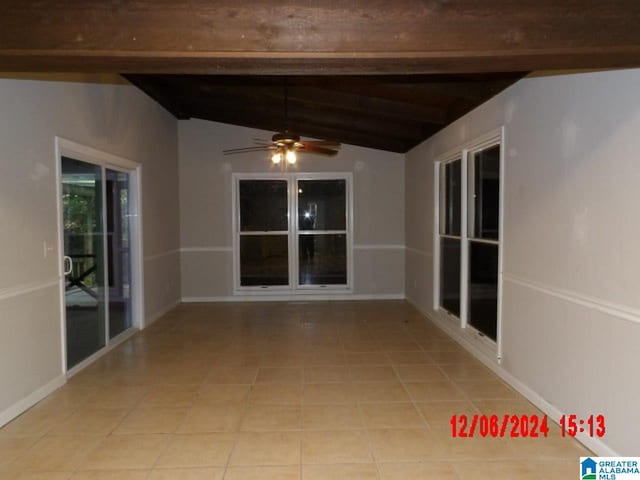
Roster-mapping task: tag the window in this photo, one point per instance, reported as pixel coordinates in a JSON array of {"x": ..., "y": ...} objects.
[
  {"x": 322, "y": 232},
  {"x": 483, "y": 170},
  {"x": 278, "y": 251},
  {"x": 468, "y": 244},
  {"x": 264, "y": 233},
  {"x": 450, "y": 234}
]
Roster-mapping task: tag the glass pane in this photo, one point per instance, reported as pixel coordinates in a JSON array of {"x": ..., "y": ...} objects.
[
  {"x": 322, "y": 259},
  {"x": 83, "y": 247},
  {"x": 483, "y": 288},
  {"x": 118, "y": 252},
  {"x": 450, "y": 275},
  {"x": 264, "y": 260},
  {"x": 322, "y": 204},
  {"x": 450, "y": 197},
  {"x": 484, "y": 194},
  {"x": 263, "y": 205}
]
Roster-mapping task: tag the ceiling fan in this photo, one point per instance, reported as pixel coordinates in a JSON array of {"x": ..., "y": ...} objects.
[{"x": 286, "y": 145}]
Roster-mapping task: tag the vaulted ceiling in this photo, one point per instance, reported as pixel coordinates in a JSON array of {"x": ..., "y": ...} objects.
[
  {"x": 378, "y": 73},
  {"x": 392, "y": 113}
]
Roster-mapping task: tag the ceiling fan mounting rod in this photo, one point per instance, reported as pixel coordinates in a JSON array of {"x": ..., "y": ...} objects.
[{"x": 286, "y": 104}]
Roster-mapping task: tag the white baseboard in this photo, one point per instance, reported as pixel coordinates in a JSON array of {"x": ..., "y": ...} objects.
[
  {"x": 30, "y": 400},
  {"x": 292, "y": 298},
  {"x": 160, "y": 313},
  {"x": 594, "y": 444}
]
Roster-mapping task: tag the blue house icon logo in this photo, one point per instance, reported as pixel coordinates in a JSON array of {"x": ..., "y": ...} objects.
[{"x": 588, "y": 469}]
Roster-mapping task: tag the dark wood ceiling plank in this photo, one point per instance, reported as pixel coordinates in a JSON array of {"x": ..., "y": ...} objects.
[
  {"x": 262, "y": 120},
  {"x": 366, "y": 105},
  {"x": 315, "y": 110},
  {"x": 159, "y": 93},
  {"x": 195, "y": 94},
  {"x": 300, "y": 119},
  {"x": 418, "y": 89},
  {"x": 321, "y": 37},
  {"x": 311, "y": 101},
  {"x": 418, "y": 97}
]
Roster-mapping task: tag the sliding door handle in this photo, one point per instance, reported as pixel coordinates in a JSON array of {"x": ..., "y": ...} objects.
[{"x": 68, "y": 265}]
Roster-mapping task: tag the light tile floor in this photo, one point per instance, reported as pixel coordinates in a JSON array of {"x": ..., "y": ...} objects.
[{"x": 330, "y": 390}]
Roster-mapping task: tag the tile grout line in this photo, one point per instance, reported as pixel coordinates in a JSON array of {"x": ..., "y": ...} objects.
[
  {"x": 302, "y": 410},
  {"x": 361, "y": 414},
  {"x": 369, "y": 441},
  {"x": 238, "y": 432}
]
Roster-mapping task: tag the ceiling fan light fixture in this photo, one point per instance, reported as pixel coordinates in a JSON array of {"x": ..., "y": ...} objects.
[{"x": 285, "y": 145}]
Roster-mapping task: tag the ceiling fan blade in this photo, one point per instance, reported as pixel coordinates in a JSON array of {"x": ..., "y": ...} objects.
[
  {"x": 322, "y": 143},
  {"x": 247, "y": 149},
  {"x": 261, "y": 141},
  {"x": 306, "y": 148}
]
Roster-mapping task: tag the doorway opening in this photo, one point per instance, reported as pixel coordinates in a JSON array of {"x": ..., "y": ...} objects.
[{"x": 99, "y": 225}]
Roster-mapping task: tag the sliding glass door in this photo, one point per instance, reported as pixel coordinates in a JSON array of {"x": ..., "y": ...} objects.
[
  {"x": 310, "y": 252},
  {"x": 96, "y": 230},
  {"x": 118, "y": 251},
  {"x": 84, "y": 259}
]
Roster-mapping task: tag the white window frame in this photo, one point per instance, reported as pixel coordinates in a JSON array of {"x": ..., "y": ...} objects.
[
  {"x": 237, "y": 177},
  {"x": 293, "y": 287},
  {"x": 465, "y": 152},
  {"x": 456, "y": 157}
]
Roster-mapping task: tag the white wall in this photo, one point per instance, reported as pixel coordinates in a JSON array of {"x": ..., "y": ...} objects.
[
  {"x": 571, "y": 331},
  {"x": 108, "y": 115},
  {"x": 205, "y": 205}
]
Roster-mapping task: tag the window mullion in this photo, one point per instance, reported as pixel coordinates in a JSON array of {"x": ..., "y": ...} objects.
[
  {"x": 293, "y": 232},
  {"x": 483, "y": 240},
  {"x": 266, "y": 232},
  {"x": 451, "y": 237},
  {"x": 322, "y": 232}
]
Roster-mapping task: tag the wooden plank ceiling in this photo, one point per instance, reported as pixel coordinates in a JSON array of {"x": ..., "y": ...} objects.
[
  {"x": 379, "y": 73},
  {"x": 392, "y": 113}
]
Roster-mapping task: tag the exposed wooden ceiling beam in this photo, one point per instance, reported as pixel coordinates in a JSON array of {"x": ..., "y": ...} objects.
[{"x": 320, "y": 37}]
